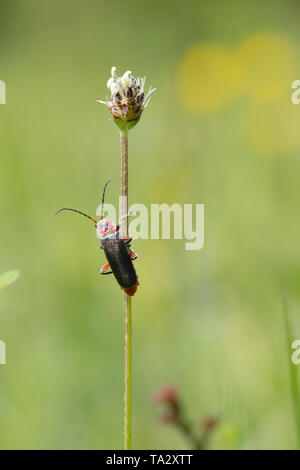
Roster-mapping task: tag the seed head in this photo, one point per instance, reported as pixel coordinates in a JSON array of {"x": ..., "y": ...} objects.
[{"x": 128, "y": 99}]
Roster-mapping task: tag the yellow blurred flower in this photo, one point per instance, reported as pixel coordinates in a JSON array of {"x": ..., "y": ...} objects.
[
  {"x": 209, "y": 78},
  {"x": 268, "y": 65},
  {"x": 261, "y": 67}
]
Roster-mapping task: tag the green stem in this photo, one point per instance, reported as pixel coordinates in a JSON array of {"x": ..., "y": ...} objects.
[
  {"x": 127, "y": 299},
  {"x": 293, "y": 374},
  {"x": 127, "y": 393},
  {"x": 187, "y": 430}
]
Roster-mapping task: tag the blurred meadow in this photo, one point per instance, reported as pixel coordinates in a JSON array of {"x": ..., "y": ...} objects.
[{"x": 220, "y": 130}]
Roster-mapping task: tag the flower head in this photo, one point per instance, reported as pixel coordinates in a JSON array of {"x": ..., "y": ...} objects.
[{"x": 128, "y": 99}]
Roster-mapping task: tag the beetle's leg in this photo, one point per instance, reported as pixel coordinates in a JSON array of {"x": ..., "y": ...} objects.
[
  {"x": 105, "y": 268},
  {"x": 133, "y": 255}
]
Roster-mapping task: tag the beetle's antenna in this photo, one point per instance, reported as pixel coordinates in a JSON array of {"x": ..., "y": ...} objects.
[
  {"x": 103, "y": 195},
  {"x": 78, "y": 212}
]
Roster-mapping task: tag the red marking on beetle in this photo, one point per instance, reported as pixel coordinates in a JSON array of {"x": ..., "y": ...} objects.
[
  {"x": 133, "y": 255},
  {"x": 104, "y": 267}
]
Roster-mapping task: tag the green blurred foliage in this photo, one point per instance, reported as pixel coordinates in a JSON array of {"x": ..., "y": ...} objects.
[
  {"x": 209, "y": 321},
  {"x": 8, "y": 278}
]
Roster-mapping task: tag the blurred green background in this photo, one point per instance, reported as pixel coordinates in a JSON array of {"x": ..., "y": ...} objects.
[{"x": 220, "y": 130}]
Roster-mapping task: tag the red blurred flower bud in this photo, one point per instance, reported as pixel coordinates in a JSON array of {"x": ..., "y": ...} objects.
[{"x": 166, "y": 395}]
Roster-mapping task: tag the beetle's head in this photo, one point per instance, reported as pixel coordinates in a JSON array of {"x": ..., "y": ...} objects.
[{"x": 106, "y": 227}]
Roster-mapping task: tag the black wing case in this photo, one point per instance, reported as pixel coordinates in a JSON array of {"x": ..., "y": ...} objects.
[{"x": 117, "y": 255}]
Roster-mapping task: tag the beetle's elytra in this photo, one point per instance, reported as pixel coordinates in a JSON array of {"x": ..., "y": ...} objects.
[{"x": 119, "y": 259}]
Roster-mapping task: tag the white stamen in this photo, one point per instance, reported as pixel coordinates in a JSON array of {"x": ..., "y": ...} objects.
[
  {"x": 148, "y": 98},
  {"x": 125, "y": 80},
  {"x": 110, "y": 82},
  {"x": 113, "y": 72}
]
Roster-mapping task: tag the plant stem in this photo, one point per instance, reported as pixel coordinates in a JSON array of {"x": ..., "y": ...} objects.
[
  {"x": 127, "y": 298},
  {"x": 187, "y": 430},
  {"x": 127, "y": 392},
  {"x": 293, "y": 373}
]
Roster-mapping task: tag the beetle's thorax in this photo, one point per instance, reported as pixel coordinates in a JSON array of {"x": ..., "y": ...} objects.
[{"x": 106, "y": 228}]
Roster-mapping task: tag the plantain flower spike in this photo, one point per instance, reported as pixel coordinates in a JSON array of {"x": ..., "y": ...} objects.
[{"x": 128, "y": 99}]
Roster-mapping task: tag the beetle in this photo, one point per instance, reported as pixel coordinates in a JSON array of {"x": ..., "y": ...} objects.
[{"x": 116, "y": 248}]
